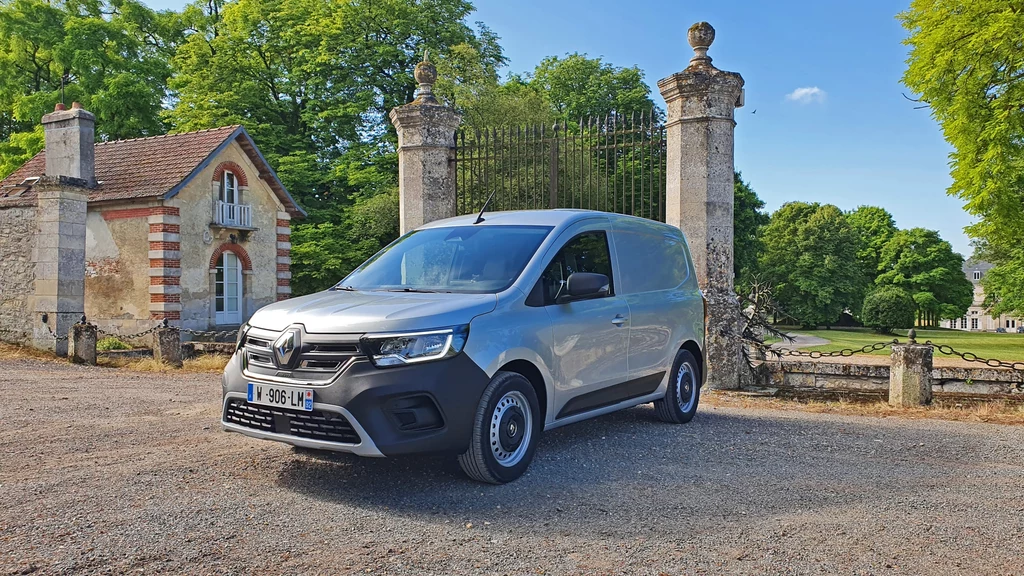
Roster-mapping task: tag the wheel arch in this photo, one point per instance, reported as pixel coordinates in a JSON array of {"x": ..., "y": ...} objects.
[
  {"x": 532, "y": 373},
  {"x": 694, "y": 348}
]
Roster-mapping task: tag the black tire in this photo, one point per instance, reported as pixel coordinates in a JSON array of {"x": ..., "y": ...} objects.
[
  {"x": 685, "y": 377},
  {"x": 481, "y": 462}
]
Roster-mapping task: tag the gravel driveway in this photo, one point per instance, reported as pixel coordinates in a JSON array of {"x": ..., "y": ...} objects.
[{"x": 108, "y": 471}]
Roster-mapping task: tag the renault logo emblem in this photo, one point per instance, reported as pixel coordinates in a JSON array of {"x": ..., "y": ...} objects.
[{"x": 285, "y": 347}]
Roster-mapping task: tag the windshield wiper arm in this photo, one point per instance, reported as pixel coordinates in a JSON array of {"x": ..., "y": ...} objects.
[
  {"x": 345, "y": 288},
  {"x": 420, "y": 290}
]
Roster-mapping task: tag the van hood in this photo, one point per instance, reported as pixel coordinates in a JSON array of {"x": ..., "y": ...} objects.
[{"x": 344, "y": 312}]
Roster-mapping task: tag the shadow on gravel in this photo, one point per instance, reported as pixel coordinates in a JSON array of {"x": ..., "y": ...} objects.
[{"x": 722, "y": 465}]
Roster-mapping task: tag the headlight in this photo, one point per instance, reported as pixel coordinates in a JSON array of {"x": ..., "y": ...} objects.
[
  {"x": 240, "y": 338},
  {"x": 413, "y": 347}
]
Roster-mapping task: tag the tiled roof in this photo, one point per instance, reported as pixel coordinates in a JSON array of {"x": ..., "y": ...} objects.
[{"x": 147, "y": 167}]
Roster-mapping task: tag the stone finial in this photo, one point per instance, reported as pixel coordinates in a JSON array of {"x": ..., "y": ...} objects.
[
  {"x": 60, "y": 107},
  {"x": 912, "y": 336},
  {"x": 700, "y": 36},
  {"x": 426, "y": 75}
]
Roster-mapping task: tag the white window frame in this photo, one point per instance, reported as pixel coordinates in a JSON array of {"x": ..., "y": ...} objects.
[
  {"x": 229, "y": 192},
  {"x": 225, "y": 316},
  {"x": 977, "y": 274}
]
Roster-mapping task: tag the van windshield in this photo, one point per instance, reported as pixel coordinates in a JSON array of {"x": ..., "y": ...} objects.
[{"x": 461, "y": 259}]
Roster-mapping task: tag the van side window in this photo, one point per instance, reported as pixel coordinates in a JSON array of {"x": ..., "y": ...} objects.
[
  {"x": 649, "y": 262},
  {"x": 586, "y": 252}
]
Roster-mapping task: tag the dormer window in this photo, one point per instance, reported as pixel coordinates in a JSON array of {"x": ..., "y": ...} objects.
[
  {"x": 229, "y": 188},
  {"x": 977, "y": 274}
]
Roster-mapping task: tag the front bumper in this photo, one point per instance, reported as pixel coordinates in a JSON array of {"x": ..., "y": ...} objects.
[{"x": 415, "y": 409}]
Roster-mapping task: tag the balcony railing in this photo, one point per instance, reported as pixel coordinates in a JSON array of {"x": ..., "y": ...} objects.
[{"x": 234, "y": 215}]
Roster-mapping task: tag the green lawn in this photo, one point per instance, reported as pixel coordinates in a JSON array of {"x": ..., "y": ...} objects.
[{"x": 984, "y": 344}]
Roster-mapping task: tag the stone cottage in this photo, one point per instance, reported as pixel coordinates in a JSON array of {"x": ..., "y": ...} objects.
[{"x": 192, "y": 228}]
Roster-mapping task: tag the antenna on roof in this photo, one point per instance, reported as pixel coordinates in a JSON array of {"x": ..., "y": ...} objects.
[{"x": 480, "y": 218}]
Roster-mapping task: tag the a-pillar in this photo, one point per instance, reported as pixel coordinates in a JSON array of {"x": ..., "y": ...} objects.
[
  {"x": 700, "y": 103},
  {"x": 59, "y": 296},
  {"x": 426, "y": 138}
]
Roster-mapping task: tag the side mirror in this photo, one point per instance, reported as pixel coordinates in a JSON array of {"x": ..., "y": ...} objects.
[{"x": 584, "y": 285}]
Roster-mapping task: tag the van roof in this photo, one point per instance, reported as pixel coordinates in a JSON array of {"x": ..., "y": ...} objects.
[{"x": 555, "y": 218}]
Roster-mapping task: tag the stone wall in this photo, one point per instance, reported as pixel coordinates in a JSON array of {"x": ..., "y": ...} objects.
[
  {"x": 810, "y": 377},
  {"x": 17, "y": 272},
  {"x": 117, "y": 268}
]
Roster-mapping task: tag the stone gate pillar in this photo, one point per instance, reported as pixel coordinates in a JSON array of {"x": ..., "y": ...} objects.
[
  {"x": 700, "y": 102},
  {"x": 426, "y": 140}
]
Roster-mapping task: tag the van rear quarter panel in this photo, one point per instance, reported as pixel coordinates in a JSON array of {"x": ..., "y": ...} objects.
[{"x": 661, "y": 320}]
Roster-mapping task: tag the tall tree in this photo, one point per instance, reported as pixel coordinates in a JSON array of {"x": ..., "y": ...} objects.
[
  {"x": 578, "y": 86},
  {"x": 876, "y": 226},
  {"x": 108, "y": 54},
  {"x": 967, "y": 64},
  {"x": 748, "y": 221},
  {"x": 925, "y": 265},
  {"x": 810, "y": 254}
]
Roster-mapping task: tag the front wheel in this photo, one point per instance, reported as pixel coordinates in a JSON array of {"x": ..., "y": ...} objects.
[
  {"x": 683, "y": 394},
  {"x": 506, "y": 428}
]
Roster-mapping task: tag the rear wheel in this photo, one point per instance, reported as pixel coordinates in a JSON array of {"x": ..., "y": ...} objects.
[
  {"x": 680, "y": 402},
  {"x": 506, "y": 428}
]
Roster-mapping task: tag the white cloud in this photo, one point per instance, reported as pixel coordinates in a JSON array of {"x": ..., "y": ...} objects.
[{"x": 807, "y": 95}]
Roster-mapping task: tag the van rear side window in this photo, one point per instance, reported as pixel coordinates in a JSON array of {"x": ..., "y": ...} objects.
[{"x": 648, "y": 262}]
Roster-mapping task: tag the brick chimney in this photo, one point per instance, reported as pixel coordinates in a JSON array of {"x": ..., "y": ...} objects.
[{"x": 70, "y": 136}]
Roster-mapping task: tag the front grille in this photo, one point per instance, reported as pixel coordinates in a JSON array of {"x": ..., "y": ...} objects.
[
  {"x": 318, "y": 362},
  {"x": 315, "y": 425}
]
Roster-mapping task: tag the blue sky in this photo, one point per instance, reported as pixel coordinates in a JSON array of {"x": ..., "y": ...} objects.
[{"x": 854, "y": 140}]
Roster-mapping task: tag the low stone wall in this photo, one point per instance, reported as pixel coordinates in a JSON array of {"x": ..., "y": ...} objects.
[
  {"x": 873, "y": 380},
  {"x": 17, "y": 272}
]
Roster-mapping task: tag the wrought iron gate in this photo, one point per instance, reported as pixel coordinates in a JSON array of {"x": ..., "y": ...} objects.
[{"x": 614, "y": 164}]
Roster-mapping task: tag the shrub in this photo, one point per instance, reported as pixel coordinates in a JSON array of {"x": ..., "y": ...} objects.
[
  {"x": 112, "y": 343},
  {"x": 888, "y": 308}
]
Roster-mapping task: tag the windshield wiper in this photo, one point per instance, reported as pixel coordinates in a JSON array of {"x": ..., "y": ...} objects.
[
  {"x": 345, "y": 288},
  {"x": 419, "y": 290}
]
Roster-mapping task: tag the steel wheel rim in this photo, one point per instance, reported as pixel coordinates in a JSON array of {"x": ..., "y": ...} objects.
[
  {"x": 686, "y": 388},
  {"x": 511, "y": 401}
]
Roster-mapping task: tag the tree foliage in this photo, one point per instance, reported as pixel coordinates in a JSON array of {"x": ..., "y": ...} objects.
[
  {"x": 748, "y": 221},
  {"x": 967, "y": 64},
  {"x": 888, "y": 308},
  {"x": 876, "y": 227},
  {"x": 810, "y": 257},
  {"x": 923, "y": 264}
]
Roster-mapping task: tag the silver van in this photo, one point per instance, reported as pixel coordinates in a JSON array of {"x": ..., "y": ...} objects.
[{"x": 473, "y": 335}]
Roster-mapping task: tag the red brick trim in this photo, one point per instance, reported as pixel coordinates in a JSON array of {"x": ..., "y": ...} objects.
[
  {"x": 284, "y": 223},
  {"x": 161, "y": 245},
  {"x": 168, "y": 228},
  {"x": 218, "y": 173},
  {"x": 283, "y": 238},
  {"x": 283, "y": 282},
  {"x": 238, "y": 251},
  {"x": 140, "y": 212},
  {"x": 283, "y": 297},
  {"x": 165, "y": 315},
  {"x": 164, "y": 263},
  {"x": 284, "y": 253},
  {"x": 283, "y": 267},
  {"x": 165, "y": 297}
]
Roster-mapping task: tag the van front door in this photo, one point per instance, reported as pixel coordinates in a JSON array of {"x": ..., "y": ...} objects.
[{"x": 590, "y": 337}]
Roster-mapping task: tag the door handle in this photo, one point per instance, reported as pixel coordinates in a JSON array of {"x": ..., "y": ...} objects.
[{"x": 619, "y": 320}]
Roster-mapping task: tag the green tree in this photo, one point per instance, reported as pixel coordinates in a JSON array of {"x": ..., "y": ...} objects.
[
  {"x": 748, "y": 221},
  {"x": 578, "y": 86},
  {"x": 876, "y": 226},
  {"x": 923, "y": 264},
  {"x": 888, "y": 308},
  {"x": 967, "y": 64},
  {"x": 809, "y": 257}
]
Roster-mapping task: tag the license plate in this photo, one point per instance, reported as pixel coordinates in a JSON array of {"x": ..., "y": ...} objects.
[{"x": 280, "y": 396}]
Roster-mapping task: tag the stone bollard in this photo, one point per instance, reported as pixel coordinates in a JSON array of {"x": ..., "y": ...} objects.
[
  {"x": 167, "y": 346},
  {"x": 82, "y": 343},
  {"x": 910, "y": 375}
]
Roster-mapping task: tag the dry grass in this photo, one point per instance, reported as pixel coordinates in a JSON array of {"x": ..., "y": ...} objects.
[
  {"x": 18, "y": 352},
  {"x": 996, "y": 411},
  {"x": 203, "y": 363}
]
